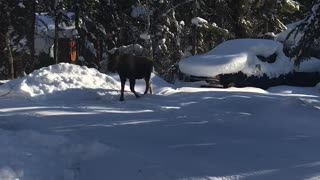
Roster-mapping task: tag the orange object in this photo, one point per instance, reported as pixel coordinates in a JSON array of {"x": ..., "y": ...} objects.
[{"x": 73, "y": 51}]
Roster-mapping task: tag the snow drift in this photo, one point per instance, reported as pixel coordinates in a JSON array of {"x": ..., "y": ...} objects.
[
  {"x": 72, "y": 82},
  {"x": 62, "y": 78}
]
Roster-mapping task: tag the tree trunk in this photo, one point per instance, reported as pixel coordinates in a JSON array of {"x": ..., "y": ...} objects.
[
  {"x": 77, "y": 22},
  {"x": 56, "y": 35},
  {"x": 56, "y": 42},
  {"x": 32, "y": 44},
  {"x": 10, "y": 55},
  {"x": 148, "y": 31},
  {"x": 237, "y": 14},
  {"x": 8, "y": 44},
  {"x": 194, "y": 30}
]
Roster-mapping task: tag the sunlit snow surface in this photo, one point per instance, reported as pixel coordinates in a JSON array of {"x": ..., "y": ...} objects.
[{"x": 65, "y": 122}]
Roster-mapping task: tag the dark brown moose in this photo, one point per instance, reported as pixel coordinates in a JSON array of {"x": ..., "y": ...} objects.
[{"x": 131, "y": 67}]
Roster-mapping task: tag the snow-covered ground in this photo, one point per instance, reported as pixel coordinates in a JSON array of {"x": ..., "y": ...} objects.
[{"x": 59, "y": 125}]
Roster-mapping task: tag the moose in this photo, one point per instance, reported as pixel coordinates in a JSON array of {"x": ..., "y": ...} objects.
[{"x": 131, "y": 67}]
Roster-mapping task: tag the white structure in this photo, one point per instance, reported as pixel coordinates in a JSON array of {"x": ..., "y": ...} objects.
[{"x": 45, "y": 31}]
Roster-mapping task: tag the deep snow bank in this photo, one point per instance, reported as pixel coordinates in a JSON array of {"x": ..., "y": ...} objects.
[
  {"x": 29, "y": 155},
  {"x": 67, "y": 81},
  {"x": 61, "y": 78}
]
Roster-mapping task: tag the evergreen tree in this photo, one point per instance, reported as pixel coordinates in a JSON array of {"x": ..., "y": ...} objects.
[
  {"x": 16, "y": 33},
  {"x": 310, "y": 39},
  {"x": 168, "y": 30},
  {"x": 257, "y": 18}
]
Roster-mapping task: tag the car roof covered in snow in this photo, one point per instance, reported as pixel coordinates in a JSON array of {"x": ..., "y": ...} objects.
[{"x": 241, "y": 55}]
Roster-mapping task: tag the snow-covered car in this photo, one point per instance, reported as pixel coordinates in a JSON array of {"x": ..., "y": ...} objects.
[{"x": 244, "y": 62}]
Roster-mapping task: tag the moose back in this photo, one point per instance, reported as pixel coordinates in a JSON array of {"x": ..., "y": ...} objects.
[{"x": 131, "y": 67}]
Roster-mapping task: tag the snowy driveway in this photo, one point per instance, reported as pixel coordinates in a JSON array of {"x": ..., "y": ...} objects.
[
  {"x": 65, "y": 123},
  {"x": 186, "y": 135}
]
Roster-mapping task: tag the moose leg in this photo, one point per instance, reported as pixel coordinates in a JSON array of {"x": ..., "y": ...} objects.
[
  {"x": 148, "y": 85},
  {"x": 132, "y": 84},
  {"x": 123, "y": 83}
]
